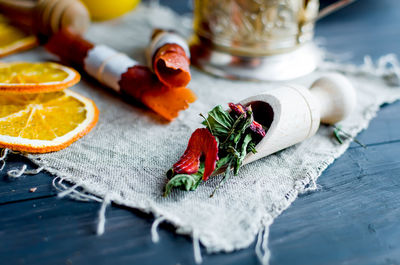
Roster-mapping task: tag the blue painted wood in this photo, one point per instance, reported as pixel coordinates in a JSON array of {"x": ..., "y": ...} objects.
[
  {"x": 383, "y": 129},
  {"x": 352, "y": 219},
  {"x": 51, "y": 231},
  {"x": 12, "y": 190},
  {"x": 340, "y": 217},
  {"x": 364, "y": 27}
]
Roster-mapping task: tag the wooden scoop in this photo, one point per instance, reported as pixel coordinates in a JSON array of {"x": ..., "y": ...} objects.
[
  {"x": 294, "y": 113},
  {"x": 47, "y": 16}
]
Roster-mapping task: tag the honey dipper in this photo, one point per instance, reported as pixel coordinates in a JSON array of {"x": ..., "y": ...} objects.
[{"x": 45, "y": 17}]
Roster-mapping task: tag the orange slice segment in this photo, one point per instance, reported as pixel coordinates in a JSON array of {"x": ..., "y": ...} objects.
[
  {"x": 13, "y": 40},
  {"x": 44, "y": 122},
  {"x": 26, "y": 77}
]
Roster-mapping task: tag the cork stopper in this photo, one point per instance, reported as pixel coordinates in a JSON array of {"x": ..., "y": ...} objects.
[{"x": 53, "y": 15}]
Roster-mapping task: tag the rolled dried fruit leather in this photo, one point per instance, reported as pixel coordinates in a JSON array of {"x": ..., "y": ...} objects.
[
  {"x": 121, "y": 73},
  {"x": 169, "y": 57}
]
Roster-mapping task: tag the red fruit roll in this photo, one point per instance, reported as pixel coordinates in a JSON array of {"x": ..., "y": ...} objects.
[
  {"x": 121, "y": 73},
  {"x": 169, "y": 58}
]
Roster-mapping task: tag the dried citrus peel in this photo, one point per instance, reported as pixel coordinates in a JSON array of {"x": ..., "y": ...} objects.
[{"x": 44, "y": 122}]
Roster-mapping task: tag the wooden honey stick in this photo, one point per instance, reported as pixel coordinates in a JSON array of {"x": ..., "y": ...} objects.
[{"x": 45, "y": 17}]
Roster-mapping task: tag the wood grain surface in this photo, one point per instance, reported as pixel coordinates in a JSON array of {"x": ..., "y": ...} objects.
[{"x": 354, "y": 218}]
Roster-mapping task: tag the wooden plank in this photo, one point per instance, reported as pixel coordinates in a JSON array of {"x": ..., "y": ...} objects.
[
  {"x": 19, "y": 189},
  {"x": 365, "y": 27},
  {"x": 51, "y": 231},
  {"x": 354, "y": 218},
  {"x": 384, "y": 128}
]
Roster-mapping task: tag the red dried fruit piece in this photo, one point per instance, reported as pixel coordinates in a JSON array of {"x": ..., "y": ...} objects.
[
  {"x": 168, "y": 102},
  {"x": 201, "y": 143},
  {"x": 171, "y": 65},
  {"x": 238, "y": 109},
  {"x": 257, "y": 128},
  {"x": 141, "y": 84},
  {"x": 69, "y": 46}
]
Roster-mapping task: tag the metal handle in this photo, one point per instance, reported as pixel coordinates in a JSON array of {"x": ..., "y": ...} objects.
[{"x": 332, "y": 8}]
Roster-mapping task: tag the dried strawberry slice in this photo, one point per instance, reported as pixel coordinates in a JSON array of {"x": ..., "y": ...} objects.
[
  {"x": 257, "y": 128},
  {"x": 202, "y": 142}
]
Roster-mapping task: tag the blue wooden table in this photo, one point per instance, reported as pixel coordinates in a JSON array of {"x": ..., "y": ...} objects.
[{"x": 354, "y": 218}]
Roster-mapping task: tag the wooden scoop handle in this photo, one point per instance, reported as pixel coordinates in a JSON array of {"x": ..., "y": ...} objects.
[{"x": 336, "y": 97}]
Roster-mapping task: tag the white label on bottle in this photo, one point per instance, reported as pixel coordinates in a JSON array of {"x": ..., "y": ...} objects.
[{"x": 107, "y": 65}]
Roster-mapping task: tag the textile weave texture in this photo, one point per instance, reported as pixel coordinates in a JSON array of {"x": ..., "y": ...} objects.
[{"x": 126, "y": 156}]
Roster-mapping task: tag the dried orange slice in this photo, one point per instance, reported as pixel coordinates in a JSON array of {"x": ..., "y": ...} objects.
[
  {"x": 13, "y": 40},
  {"x": 44, "y": 122},
  {"x": 26, "y": 77}
]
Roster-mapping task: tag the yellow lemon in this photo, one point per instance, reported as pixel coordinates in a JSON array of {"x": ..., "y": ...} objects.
[{"x": 106, "y": 9}]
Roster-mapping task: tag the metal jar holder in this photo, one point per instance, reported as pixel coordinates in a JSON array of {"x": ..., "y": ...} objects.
[{"x": 257, "y": 39}]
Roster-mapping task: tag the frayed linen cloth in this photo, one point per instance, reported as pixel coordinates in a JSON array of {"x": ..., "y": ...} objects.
[{"x": 125, "y": 158}]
